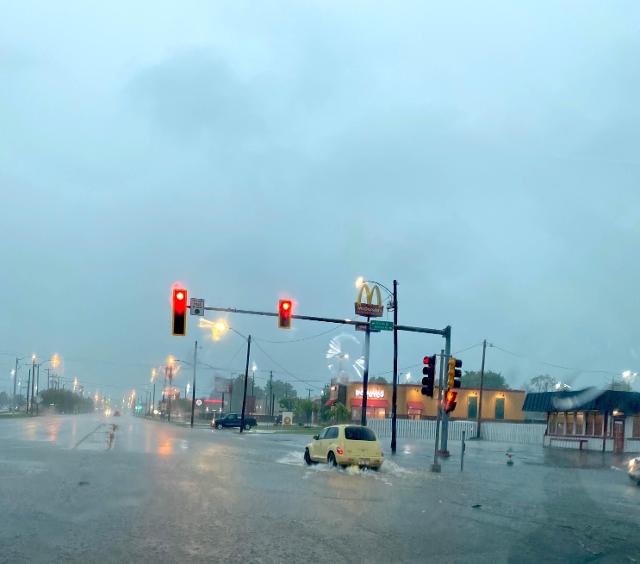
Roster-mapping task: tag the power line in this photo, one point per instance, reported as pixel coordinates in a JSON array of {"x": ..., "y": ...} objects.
[
  {"x": 300, "y": 339},
  {"x": 468, "y": 348},
  {"x": 559, "y": 366},
  {"x": 283, "y": 368}
]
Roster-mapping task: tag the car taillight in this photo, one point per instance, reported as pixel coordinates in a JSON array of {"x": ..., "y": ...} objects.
[{"x": 340, "y": 451}]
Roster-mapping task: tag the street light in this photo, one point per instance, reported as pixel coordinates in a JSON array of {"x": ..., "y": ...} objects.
[
  {"x": 218, "y": 328},
  {"x": 221, "y": 326}
]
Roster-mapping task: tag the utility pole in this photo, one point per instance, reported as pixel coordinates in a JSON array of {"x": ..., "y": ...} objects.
[
  {"x": 310, "y": 410},
  {"x": 445, "y": 417},
  {"x": 365, "y": 377},
  {"x": 394, "y": 400},
  {"x": 271, "y": 393},
  {"x": 435, "y": 467},
  {"x": 33, "y": 380},
  {"x": 484, "y": 350},
  {"x": 38, "y": 391},
  {"x": 28, "y": 388},
  {"x": 246, "y": 378},
  {"x": 153, "y": 401},
  {"x": 193, "y": 390},
  {"x": 15, "y": 380}
]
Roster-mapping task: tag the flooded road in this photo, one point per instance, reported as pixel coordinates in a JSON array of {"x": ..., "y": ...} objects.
[{"x": 73, "y": 488}]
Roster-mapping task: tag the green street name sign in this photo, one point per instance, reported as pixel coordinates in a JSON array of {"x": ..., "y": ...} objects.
[{"x": 377, "y": 325}]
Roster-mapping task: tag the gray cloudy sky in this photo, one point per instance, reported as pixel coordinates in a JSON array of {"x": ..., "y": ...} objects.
[{"x": 483, "y": 153}]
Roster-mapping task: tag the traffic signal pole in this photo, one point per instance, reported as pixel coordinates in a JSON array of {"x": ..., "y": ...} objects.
[
  {"x": 435, "y": 467},
  {"x": 445, "y": 416}
]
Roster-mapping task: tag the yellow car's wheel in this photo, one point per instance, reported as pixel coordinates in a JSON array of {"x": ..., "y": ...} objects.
[
  {"x": 307, "y": 457},
  {"x": 331, "y": 459}
]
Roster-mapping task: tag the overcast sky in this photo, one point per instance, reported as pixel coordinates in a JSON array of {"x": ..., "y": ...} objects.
[{"x": 485, "y": 154}]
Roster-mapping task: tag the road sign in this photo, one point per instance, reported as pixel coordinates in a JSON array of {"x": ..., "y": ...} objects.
[
  {"x": 378, "y": 325},
  {"x": 198, "y": 402},
  {"x": 196, "y": 306},
  {"x": 363, "y": 327}
]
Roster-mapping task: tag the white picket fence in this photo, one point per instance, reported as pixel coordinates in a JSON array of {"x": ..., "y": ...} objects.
[{"x": 521, "y": 433}]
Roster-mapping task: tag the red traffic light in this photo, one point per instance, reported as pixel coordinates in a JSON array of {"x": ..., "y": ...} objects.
[
  {"x": 285, "y": 310},
  {"x": 426, "y": 360},
  {"x": 179, "y": 307}
]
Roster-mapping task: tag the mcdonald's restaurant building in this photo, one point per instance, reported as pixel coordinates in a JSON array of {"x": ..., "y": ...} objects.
[{"x": 497, "y": 405}]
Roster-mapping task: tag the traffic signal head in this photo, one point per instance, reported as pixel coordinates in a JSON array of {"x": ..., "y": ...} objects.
[
  {"x": 429, "y": 371},
  {"x": 179, "y": 307},
  {"x": 454, "y": 373},
  {"x": 285, "y": 311},
  {"x": 450, "y": 401}
]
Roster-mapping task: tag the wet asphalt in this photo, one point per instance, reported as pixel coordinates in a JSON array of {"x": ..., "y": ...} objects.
[{"x": 74, "y": 490}]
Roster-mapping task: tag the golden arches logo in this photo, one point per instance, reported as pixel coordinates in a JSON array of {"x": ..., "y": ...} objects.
[
  {"x": 368, "y": 308},
  {"x": 369, "y": 292}
]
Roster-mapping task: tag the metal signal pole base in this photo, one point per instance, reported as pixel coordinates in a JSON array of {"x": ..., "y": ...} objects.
[
  {"x": 444, "y": 453},
  {"x": 435, "y": 467}
]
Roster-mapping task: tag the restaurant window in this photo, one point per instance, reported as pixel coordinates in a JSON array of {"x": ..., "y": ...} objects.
[
  {"x": 569, "y": 424},
  {"x": 472, "y": 412},
  {"x": 551, "y": 426},
  {"x": 591, "y": 419},
  {"x": 579, "y": 423},
  {"x": 560, "y": 426},
  {"x": 597, "y": 431},
  {"x": 636, "y": 427},
  {"x": 499, "y": 412}
]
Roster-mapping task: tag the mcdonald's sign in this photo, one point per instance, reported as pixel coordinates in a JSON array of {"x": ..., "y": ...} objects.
[{"x": 369, "y": 309}]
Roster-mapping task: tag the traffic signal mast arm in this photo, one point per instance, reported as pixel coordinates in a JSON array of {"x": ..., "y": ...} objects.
[{"x": 444, "y": 332}]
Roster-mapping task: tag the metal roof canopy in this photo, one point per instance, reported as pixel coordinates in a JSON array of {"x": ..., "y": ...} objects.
[{"x": 606, "y": 401}]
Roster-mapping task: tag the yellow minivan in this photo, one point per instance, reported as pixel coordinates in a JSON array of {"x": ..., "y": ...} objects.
[{"x": 345, "y": 445}]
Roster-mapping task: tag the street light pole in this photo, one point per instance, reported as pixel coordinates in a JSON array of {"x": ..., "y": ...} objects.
[
  {"x": 38, "y": 391},
  {"x": 193, "y": 391},
  {"x": 394, "y": 400},
  {"x": 365, "y": 376},
  {"x": 246, "y": 378}
]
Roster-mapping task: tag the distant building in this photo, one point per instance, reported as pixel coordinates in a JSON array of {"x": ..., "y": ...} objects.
[
  {"x": 607, "y": 421},
  {"x": 497, "y": 405}
]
